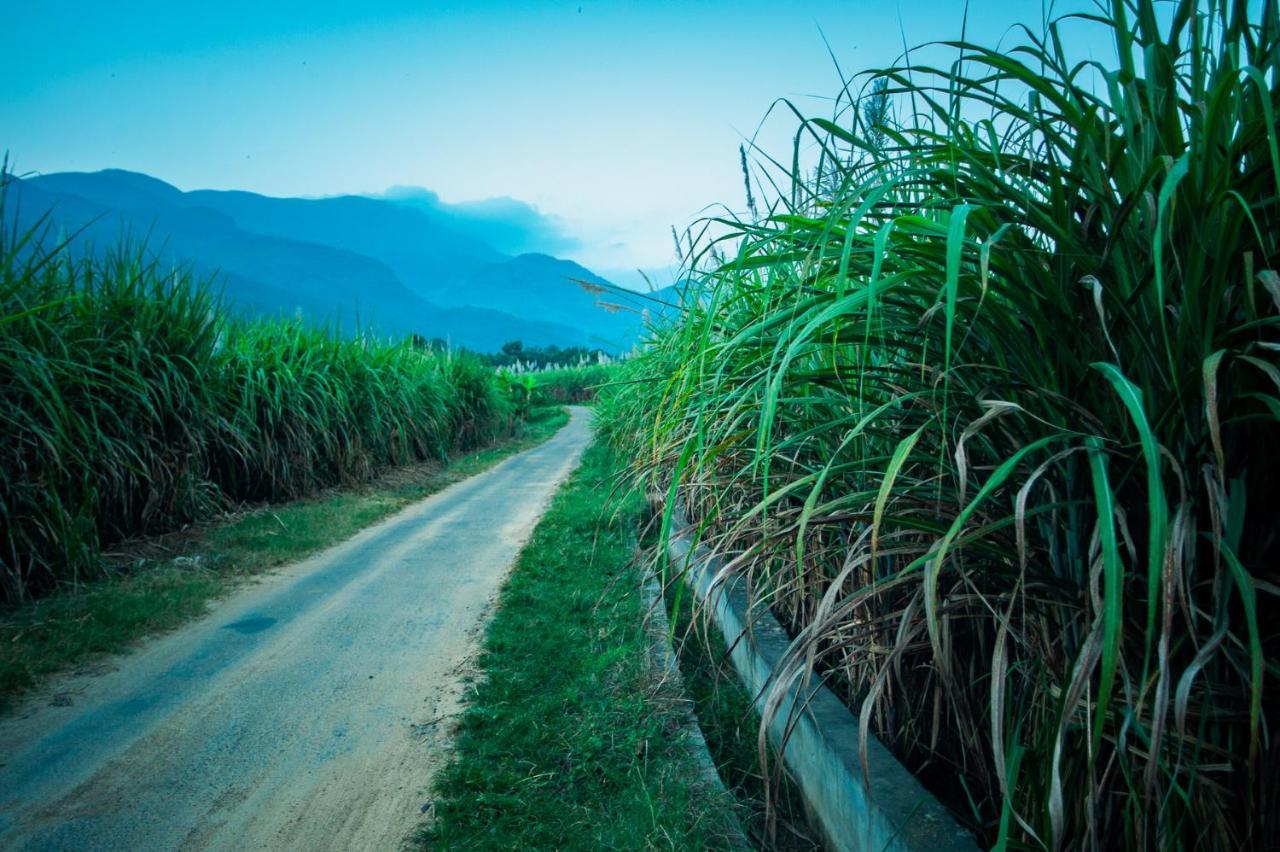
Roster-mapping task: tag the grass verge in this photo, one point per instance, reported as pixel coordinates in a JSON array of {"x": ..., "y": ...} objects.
[
  {"x": 159, "y": 583},
  {"x": 573, "y": 737},
  {"x": 730, "y": 727}
]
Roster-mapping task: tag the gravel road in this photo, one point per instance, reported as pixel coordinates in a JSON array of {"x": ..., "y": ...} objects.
[{"x": 306, "y": 712}]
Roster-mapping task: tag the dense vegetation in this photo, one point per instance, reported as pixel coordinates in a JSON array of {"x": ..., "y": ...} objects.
[
  {"x": 134, "y": 403},
  {"x": 514, "y": 353},
  {"x": 568, "y": 385},
  {"x": 987, "y": 402}
]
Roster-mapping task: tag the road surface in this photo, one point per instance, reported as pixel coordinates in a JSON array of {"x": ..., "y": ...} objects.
[{"x": 305, "y": 712}]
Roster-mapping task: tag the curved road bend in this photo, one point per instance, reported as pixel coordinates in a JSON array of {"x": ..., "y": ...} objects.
[{"x": 306, "y": 712}]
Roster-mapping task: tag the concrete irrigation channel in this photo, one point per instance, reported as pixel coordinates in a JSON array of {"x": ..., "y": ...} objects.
[
  {"x": 891, "y": 811},
  {"x": 306, "y": 712}
]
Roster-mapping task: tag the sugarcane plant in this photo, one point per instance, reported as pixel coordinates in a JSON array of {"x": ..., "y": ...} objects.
[
  {"x": 985, "y": 402},
  {"x": 135, "y": 401}
]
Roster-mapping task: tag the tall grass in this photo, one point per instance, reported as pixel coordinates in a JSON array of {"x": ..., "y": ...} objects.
[
  {"x": 135, "y": 402},
  {"x": 987, "y": 405},
  {"x": 564, "y": 385}
]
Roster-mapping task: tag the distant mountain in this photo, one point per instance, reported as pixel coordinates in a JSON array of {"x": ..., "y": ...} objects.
[
  {"x": 566, "y": 292},
  {"x": 258, "y": 272},
  {"x": 437, "y": 253},
  {"x": 423, "y": 251},
  {"x": 399, "y": 266}
]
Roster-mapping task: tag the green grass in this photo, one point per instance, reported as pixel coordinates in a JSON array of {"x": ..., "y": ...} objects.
[
  {"x": 573, "y": 739},
  {"x": 135, "y": 402},
  {"x": 158, "y": 584},
  {"x": 772, "y": 811},
  {"x": 987, "y": 398}
]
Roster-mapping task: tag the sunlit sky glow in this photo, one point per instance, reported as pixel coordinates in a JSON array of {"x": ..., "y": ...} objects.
[{"x": 618, "y": 119}]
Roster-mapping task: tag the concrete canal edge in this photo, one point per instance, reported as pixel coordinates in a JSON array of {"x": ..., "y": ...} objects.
[
  {"x": 893, "y": 813},
  {"x": 664, "y": 657}
]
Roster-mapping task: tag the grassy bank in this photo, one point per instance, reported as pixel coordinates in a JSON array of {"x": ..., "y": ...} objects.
[
  {"x": 987, "y": 398},
  {"x": 572, "y": 739},
  {"x": 159, "y": 583},
  {"x": 772, "y": 812},
  {"x": 135, "y": 402}
]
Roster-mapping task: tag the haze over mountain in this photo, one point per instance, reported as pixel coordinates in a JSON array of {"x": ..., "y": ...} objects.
[
  {"x": 402, "y": 263},
  {"x": 507, "y": 224}
]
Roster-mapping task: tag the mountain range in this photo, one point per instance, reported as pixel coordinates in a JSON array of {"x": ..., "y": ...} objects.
[{"x": 400, "y": 263}]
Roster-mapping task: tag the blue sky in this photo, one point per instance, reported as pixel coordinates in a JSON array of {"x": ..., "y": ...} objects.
[{"x": 615, "y": 119}]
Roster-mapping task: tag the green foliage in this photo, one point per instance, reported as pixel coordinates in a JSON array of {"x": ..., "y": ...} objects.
[
  {"x": 521, "y": 387},
  {"x": 134, "y": 402},
  {"x": 569, "y": 385},
  {"x": 571, "y": 740},
  {"x": 515, "y": 353},
  {"x": 989, "y": 403}
]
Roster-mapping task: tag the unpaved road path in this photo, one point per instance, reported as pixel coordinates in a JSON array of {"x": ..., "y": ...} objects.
[{"x": 306, "y": 712}]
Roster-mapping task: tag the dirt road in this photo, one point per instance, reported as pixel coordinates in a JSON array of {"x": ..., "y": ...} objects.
[{"x": 307, "y": 712}]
